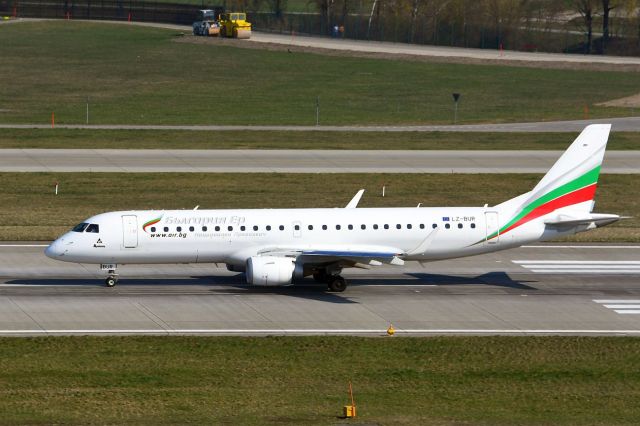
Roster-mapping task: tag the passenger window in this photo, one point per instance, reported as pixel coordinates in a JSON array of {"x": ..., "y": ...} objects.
[
  {"x": 447, "y": 226},
  {"x": 310, "y": 227},
  {"x": 363, "y": 226},
  {"x": 350, "y": 227},
  {"x": 459, "y": 226},
  {"x": 153, "y": 229},
  {"x": 242, "y": 228},
  {"x": 191, "y": 228},
  {"x": 409, "y": 226},
  {"x": 386, "y": 226},
  {"x": 473, "y": 226},
  {"x": 281, "y": 227},
  {"x": 297, "y": 227},
  {"x": 434, "y": 226},
  {"x": 179, "y": 229},
  {"x": 398, "y": 226},
  {"x": 375, "y": 226},
  {"x": 268, "y": 227},
  {"x": 338, "y": 227},
  {"x": 166, "y": 229},
  {"x": 229, "y": 228},
  {"x": 324, "y": 227},
  {"x": 80, "y": 227},
  {"x": 255, "y": 227},
  {"x": 422, "y": 226},
  {"x": 204, "y": 228},
  {"x": 217, "y": 229}
]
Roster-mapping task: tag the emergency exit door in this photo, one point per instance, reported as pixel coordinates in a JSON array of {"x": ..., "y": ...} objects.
[
  {"x": 493, "y": 227},
  {"x": 130, "y": 231}
]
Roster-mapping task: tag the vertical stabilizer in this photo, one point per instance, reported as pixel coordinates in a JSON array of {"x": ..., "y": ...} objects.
[
  {"x": 579, "y": 166},
  {"x": 570, "y": 185}
]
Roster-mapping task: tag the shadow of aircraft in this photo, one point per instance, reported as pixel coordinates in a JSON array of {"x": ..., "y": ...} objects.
[{"x": 306, "y": 289}]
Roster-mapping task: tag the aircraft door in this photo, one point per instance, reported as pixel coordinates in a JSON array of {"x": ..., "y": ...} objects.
[
  {"x": 492, "y": 226},
  {"x": 130, "y": 231},
  {"x": 297, "y": 229}
]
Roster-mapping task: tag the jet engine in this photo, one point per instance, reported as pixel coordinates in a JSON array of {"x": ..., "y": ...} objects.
[{"x": 270, "y": 270}]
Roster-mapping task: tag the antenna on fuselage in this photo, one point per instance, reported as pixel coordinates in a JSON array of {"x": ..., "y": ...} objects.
[{"x": 196, "y": 207}]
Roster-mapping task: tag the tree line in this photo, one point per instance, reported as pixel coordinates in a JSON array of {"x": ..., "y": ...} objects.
[{"x": 590, "y": 26}]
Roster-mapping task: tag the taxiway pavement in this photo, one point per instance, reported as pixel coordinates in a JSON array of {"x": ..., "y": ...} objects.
[
  {"x": 620, "y": 124},
  {"x": 542, "y": 289},
  {"x": 295, "y": 161}
]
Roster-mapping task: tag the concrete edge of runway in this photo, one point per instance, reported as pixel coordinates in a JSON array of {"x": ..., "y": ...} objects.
[{"x": 319, "y": 332}]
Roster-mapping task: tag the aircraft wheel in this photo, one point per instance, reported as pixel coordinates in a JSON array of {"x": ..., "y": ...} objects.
[
  {"x": 337, "y": 284},
  {"x": 320, "y": 276},
  {"x": 111, "y": 281}
]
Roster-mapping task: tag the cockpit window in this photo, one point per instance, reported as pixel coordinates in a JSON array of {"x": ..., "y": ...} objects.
[
  {"x": 80, "y": 227},
  {"x": 93, "y": 228}
]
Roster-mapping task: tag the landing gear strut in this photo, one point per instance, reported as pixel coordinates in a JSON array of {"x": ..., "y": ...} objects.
[{"x": 332, "y": 279}]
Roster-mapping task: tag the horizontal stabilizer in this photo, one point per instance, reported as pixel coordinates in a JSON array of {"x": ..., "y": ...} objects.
[{"x": 598, "y": 219}]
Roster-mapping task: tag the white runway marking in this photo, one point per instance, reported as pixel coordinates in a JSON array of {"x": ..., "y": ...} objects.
[
  {"x": 601, "y": 267},
  {"x": 24, "y": 245},
  {"x": 584, "y": 247},
  {"x": 621, "y": 306},
  {"x": 315, "y": 331},
  {"x": 580, "y": 262}
]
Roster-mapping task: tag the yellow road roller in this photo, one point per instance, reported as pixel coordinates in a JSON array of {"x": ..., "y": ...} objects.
[{"x": 234, "y": 24}]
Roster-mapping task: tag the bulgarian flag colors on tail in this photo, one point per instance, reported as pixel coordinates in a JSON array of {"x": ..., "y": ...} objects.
[{"x": 574, "y": 192}]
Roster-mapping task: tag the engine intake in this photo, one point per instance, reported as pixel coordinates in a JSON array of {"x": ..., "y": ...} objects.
[{"x": 270, "y": 270}]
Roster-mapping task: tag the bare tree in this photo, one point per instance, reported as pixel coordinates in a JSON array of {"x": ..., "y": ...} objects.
[
  {"x": 607, "y": 7},
  {"x": 587, "y": 9},
  {"x": 278, "y": 7}
]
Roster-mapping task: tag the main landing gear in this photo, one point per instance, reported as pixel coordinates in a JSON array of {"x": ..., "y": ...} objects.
[
  {"x": 112, "y": 278},
  {"x": 334, "y": 283}
]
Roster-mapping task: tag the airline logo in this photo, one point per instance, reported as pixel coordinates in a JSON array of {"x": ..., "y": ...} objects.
[{"x": 151, "y": 222}]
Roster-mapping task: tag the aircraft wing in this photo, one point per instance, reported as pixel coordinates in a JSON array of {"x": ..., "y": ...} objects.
[{"x": 345, "y": 256}]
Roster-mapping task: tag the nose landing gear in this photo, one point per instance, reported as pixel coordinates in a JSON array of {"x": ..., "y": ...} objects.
[{"x": 112, "y": 278}]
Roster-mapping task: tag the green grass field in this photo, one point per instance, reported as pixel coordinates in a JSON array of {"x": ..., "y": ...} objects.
[
  {"x": 141, "y": 75},
  {"x": 304, "y": 380},
  {"x": 151, "y": 139},
  {"x": 31, "y": 211}
]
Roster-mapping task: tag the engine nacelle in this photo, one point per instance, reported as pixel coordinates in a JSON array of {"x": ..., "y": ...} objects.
[{"x": 270, "y": 270}]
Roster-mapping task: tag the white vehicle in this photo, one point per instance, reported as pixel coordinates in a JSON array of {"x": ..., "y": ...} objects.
[{"x": 277, "y": 246}]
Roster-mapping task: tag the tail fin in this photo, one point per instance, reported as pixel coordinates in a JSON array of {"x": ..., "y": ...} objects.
[
  {"x": 570, "y": 185},
  {"x": 575, "y": 175}
]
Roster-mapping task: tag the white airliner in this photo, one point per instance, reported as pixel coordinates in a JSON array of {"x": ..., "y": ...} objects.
[{"x": 277, "y": 246}]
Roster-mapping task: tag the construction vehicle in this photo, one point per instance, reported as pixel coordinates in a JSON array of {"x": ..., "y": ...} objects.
[
  {"x": 234, "y": 24},
  {"x": 207, "y": 22}
]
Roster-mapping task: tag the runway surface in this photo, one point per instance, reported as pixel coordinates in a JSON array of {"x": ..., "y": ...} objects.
[
  {"x": 541, "y": 289},
  {"x": 295, "y": 161},
  {"x": 620, "y": 124}
]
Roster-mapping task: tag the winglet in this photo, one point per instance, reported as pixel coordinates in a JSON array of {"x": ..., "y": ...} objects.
[{"x": 355, "y": 200}]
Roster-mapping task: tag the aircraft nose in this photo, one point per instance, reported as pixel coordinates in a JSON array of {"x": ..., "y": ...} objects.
[{"x": 55, "y": 249}]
